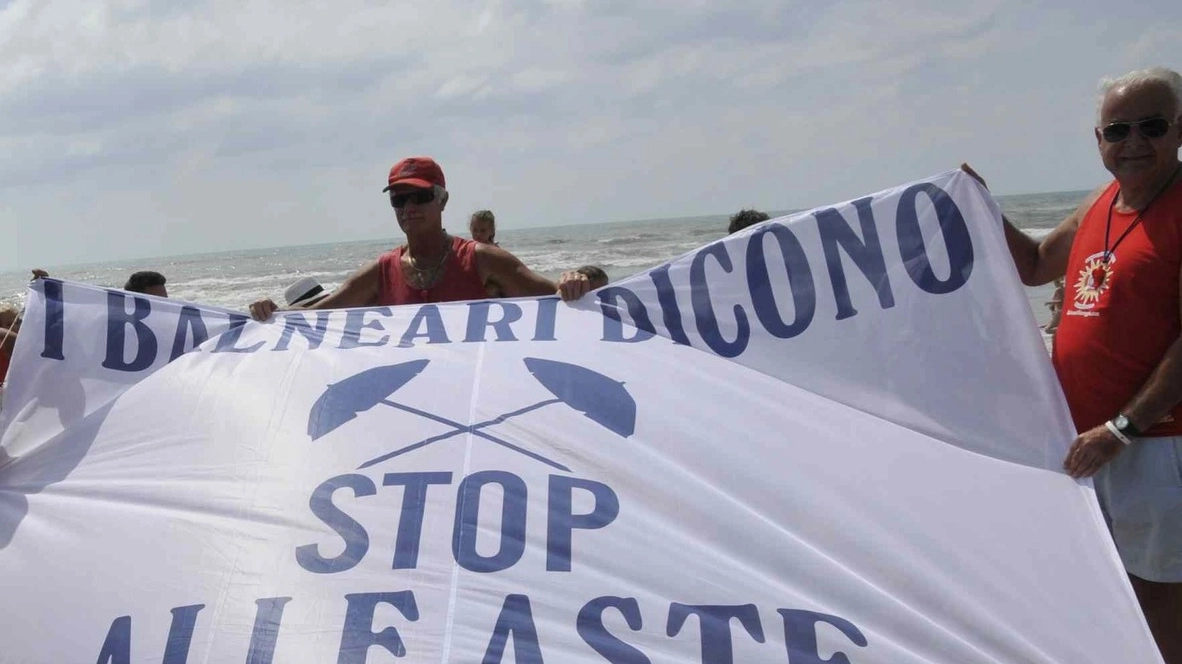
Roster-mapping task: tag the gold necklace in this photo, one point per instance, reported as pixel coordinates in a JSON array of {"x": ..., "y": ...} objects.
[{"x": 424, "y": 278}]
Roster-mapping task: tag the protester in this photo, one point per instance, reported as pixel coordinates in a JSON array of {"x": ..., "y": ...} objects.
[
  {"x": 744, "y": 218},
  {"x": 432, "y": 266},
  {"x": 1118, "y": 349},
  {"x": 147, "y": 282},
  {"x": 304, "y": 293},
  {"x": 483, "y": 227}
]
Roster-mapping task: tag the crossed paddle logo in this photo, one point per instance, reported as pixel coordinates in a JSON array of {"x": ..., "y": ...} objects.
[{"x": 601, "y": 399}]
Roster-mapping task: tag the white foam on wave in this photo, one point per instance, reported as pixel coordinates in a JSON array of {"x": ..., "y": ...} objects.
[
  {"x": 245, "y": 282},
  {"x": 629, "y": 239}
]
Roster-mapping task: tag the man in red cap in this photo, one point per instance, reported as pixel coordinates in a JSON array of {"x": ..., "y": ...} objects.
[{"x": 432, "y": 266}]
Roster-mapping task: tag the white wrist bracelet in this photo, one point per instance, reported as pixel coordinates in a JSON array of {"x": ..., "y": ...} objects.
[{"x": 1117, "y": 432}]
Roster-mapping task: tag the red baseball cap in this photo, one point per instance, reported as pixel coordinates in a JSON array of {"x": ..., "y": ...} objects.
[{"x": 421, "y": 172}]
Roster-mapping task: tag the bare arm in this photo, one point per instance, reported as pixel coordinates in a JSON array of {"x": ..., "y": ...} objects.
[
  {"x": 508, "y": 272},
  {"x": 1039, "y": 263},
  {"x": 359, "y": 290},
  {"x": 1160, "y": 393}
]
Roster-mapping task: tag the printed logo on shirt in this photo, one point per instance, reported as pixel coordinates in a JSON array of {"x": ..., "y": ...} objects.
[{"x": 1094, "y": 280}]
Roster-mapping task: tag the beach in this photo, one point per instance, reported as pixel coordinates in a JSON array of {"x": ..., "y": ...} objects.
[{"x": 233, "y": 279}]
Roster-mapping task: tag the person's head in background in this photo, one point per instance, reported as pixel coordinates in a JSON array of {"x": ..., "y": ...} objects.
[
  {"x": 594, "y": 274},
  {"x": 146, "y": 282},
  {"x": 744, "y": 218},
  {"x": 483, "y": 226}
]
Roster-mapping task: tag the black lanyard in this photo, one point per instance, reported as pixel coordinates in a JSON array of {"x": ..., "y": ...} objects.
[{"x": 1111, "y": 206}]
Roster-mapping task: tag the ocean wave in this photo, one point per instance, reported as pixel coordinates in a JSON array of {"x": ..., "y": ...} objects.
[
  {"x": 629, "y": 239},
  {"x": 245, "y": 281}
]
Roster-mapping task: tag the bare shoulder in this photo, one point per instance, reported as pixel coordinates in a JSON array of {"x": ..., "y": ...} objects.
[
  {"x": 1059, "y": 240},
  {"x": 1073, "y": 220}
]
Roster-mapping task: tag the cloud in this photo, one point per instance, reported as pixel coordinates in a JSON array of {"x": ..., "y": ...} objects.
[{"x": 209, "y": 125}]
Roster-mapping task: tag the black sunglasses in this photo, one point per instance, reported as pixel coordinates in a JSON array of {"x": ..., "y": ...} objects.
[
  {"x": 1115, "y": 132},
  {"x": 419, "y": 196}
]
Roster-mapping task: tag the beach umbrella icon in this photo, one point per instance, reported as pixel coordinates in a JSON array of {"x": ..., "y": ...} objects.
[
  {"x": 342, "y": 401},
  {"x": 601, "y": 399}
]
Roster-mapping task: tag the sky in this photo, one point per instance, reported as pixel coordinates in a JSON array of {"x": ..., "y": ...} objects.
[{"x": 138, "y": 129}]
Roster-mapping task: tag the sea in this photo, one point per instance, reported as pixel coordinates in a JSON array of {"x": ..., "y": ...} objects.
[{"x": 234, "y": 279}]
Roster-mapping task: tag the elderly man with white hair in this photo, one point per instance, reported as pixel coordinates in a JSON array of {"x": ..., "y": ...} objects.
[{"x": 1118, "y": 351}]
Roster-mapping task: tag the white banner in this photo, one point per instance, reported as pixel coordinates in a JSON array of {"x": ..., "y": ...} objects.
[{"x": 833, "y": 437}]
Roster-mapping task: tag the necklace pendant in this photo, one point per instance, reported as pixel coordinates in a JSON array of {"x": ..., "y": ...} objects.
[{"x": 1099, "y": 274}]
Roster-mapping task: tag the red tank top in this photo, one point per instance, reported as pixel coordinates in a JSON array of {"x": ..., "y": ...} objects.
[
  {"x": 1118, "y": 322},
  {"x": 460, "y": 280},
  {"x": 4, "y": 360}
]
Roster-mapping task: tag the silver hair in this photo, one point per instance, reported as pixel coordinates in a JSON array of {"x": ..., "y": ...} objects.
[{"x": 1152, "y": 76}]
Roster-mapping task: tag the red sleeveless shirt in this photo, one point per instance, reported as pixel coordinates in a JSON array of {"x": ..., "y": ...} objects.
[
  {"x": 460, "y": 280},
  {"x": 1118, "y": 321}
]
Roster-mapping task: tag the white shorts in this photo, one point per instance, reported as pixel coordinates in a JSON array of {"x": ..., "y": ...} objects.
[{"x": 1140, "y": 493}]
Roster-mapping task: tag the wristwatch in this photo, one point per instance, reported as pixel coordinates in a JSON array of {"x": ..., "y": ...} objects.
[
  {"x": 1123, "y": 428},
  {"x": 1125, "y": 425}
]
